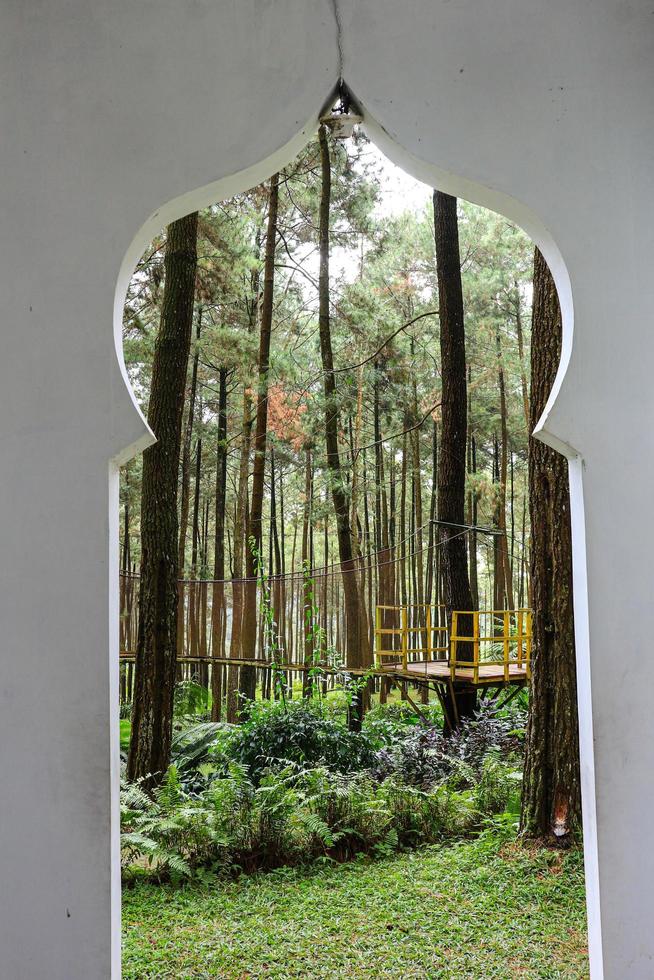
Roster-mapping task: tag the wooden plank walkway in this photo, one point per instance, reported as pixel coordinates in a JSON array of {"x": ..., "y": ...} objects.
[{"x": 439, "y": 670}]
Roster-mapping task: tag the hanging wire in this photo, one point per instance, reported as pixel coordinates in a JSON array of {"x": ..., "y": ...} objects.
[{"x": 322, "y": 571}]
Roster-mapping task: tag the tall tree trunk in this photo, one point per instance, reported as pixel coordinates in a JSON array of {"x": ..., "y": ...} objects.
[
  {"x": 498, "y": 562},
  {"x": 523, "y": 554},
  {"x": 126, "y": 559},
  {"x": 402, "y": 530},
  {"x": 472, "y": 502},
  {"x": 474, "y": 580},
  {"x": 185, "y": 487},
  {"x": 275, "y": 563},
  {"x": 551, "y": 801},
  {"x": 218, "y": 598},
  {"x": 238, "y": 586},
  {"x": 503, "y": 473},
  {"x": 308, "y": 585},
  {"x": 254, "y": 536},
  {"x": 194, "y": 589},
  {"x": 203, "y": 596},
  {"x": 431, "y": 538},
  {"x": 337, "y": 486},
  {"x": 356, "y": 530},
  {"x": 283, "y": 585},
  {"x": 417, "y": 504},
  {"x": 152, "y": 708},
  {"x": 125, "y": 589},
  {"x": 185, "y": 476},
  {"x": 385, "y": 585},
  {"x": 454, "y": 412},
  {"x": 521, "y": 356}
]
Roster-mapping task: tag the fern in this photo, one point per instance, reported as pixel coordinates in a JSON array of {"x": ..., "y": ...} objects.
[
  {"x": 191, "y": 746},
  {"x": 299, "y": 813}
]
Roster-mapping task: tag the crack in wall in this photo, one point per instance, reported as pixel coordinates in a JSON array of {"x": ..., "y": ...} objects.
[{"x": 339, "y": 37}]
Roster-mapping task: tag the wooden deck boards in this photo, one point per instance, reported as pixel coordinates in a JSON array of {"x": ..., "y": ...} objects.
[{"x": 439, "y": 670}]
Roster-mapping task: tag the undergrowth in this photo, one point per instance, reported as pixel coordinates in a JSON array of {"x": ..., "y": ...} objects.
[{"x": 292, "y": 785}]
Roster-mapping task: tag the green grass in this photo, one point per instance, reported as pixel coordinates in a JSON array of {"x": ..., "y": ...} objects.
[
  {"x": 125, "y": 729},
  {"x": 476, "y": 909}
]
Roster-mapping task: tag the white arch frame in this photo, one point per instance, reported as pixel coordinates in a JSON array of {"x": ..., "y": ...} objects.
[{"x": 432, "y": 175}]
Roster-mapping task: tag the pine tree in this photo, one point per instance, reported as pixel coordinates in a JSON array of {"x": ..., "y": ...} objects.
[
  {"x": 337, "y": 486},
  {"x": 152, "y": 709},
  {"x": 452, "y": 460},
  {"x": 551, "y": 802},
  {"x": 253, "y": 545}
]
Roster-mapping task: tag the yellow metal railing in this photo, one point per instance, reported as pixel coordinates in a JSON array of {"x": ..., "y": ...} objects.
[
  {"x": 416, "y": 632},
  {"x": 498, "y": 638},
  {"x": 493, "y": 638}
]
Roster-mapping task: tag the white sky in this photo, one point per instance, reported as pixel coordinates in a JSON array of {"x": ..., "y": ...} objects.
[{"x": 399, "y": 193}]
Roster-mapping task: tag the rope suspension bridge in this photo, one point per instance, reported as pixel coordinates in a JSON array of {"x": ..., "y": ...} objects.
[{"x": 408, "y": 643}]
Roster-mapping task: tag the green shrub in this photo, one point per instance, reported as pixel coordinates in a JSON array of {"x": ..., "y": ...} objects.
[
  {"x": 497, "y": 784},
  {"x": 424, "y": 756},
  {"x": 192, "y": 749},
  {"x": 292, "y": 785},
  {"x": 299, "y": 732},
  {"x": 385, "y": 723}
]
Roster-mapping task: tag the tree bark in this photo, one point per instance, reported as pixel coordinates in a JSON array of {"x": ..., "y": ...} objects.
[
  {"x": 474, "y": 578},
  {"x": 414, "y": 436},
  {"x": 218, "y": 599},
  {"x": 194, "y": 585},
  {"x": 185, "y": 488},
  {"x": 254, "y": 535},
  {"x": 452, "y": 459},
  {"x": 404, "y": 598},
  {"x": 521, "y": 356},
  {"x": 551, "y": 802},
  {"x": 507, "y": 583},
  {"x": 431, "y": 537},
  {"x": 238, "y": 586},
  {"x": 152, "y": 709},
  {"x": 275, "y": 564},
  {"x": 185, "y": 476}
]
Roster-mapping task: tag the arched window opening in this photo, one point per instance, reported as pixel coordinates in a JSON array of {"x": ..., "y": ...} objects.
[{"x": 334, "y": 608}]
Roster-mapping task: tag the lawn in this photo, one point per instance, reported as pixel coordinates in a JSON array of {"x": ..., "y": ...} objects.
[{"x": 476, "y": 909}]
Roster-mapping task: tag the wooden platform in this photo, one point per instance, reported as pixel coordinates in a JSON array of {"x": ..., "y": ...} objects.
[{"x": 439, "y": 670}]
